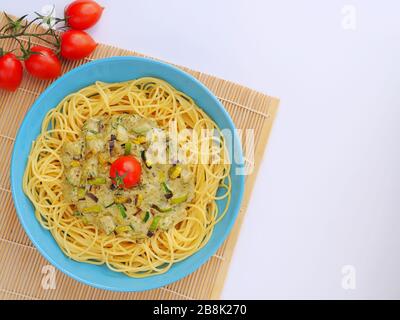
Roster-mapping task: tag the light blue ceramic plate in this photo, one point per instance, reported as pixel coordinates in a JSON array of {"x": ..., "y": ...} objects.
[{"x": 114, "y": 70}]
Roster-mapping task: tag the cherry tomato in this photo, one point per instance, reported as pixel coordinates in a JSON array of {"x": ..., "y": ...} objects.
[
  {"x": 76, "y": 44},
  {"x": 10, "y": 72},
  {"x": 125, "y": 172},
  {"x": 43, "y": 64},
  {"x": 83, "y": 14}
]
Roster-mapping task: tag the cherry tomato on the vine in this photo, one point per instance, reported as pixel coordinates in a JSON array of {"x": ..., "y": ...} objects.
[
  {"x": 10, "y": 72},
  {"x": 83, "y": 14},
  {"x": 43, "y": 63},
  {"x": 125, "y": 172},
  {"x": 76, "y": 44}
]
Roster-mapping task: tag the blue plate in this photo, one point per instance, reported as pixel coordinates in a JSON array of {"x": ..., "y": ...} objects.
[{"x": 118, "y": 69}]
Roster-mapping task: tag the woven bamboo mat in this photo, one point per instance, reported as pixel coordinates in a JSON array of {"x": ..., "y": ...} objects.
[{"x": 23, "y": 270}]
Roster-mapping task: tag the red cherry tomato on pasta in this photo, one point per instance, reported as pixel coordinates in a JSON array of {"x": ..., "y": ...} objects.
[
  {"x": 125, "y": 172},
  {"x": 10, "y": 72},
  {"x": 43, "y": 63},
  {"x": 83, "y": 14},
  {"x": 76, "y": 44}
]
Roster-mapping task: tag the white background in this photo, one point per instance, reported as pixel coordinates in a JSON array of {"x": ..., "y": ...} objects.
[{"x": 328, "y": 190}]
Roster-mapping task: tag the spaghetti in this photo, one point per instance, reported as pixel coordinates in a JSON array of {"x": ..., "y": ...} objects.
[{"x": 148, "y": 98}]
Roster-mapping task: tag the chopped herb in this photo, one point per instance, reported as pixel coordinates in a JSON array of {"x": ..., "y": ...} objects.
[
  {"x": 122, "y": 210},
  {"x": 146, "y": 217},
  {"x": 167, "y": 191}
]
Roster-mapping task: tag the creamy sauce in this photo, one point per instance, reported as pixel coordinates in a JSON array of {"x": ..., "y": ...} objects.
[{"x": 158, "y": 202}]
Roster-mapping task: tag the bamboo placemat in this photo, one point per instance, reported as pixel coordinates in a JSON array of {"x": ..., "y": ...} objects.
[{"x": 23, "y": 270}]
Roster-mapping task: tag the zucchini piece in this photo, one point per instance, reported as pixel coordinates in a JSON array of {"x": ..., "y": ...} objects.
[
  {"x": 75, "y": 164},
  {"x": 154, "y": 223},
  {"x": 75, "y": 149},
  {"x": 97, "y": 181},
  {"x": 122, "y": 229},
  {"x": 81, "y": 193},
  {"x": 174, "y": 172},
  {"x": 139, "y": 140},
  {"x": 166, "y": 209},
  {"x": 103, "y": 159},
  {"x": 142, "y": 126},
  {"x": 73, "y": 176},
  {"x": 178, "y": 199},
  {"x": 108, "y": 224},
  {"x": 92, "y": 209},
  {"x": 90, "y": 137},
  {"x": 138, "y": 199},
  {"x": 122, "y": 134},
  {"x": 121, "y": 199},
  {"x": 128, "y": 148}
]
